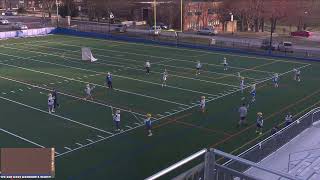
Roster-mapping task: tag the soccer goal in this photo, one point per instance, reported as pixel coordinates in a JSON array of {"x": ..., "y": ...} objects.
[{"x": 87, "y": 55}]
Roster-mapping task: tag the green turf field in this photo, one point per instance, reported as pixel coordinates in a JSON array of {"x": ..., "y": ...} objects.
[{"x": 82, "y": 132}]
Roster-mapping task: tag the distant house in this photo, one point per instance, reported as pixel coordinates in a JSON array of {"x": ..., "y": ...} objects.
[
  {"x": 201, "y": 13},
  {"x": 196, "y": 14},
  {"x": 9, "y": 4}
]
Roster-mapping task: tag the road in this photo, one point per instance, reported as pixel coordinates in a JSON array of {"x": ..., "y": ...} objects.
[{"x": 37, "y": 22}]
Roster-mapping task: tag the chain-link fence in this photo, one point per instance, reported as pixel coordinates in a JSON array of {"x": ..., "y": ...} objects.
[{"x": 252, "y": 45}]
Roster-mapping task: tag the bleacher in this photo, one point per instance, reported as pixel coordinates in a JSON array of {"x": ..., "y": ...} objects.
[{"x": 300, "y": 158}]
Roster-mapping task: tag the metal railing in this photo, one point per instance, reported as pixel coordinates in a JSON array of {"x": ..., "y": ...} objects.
[{"x": 236, "y": 165}]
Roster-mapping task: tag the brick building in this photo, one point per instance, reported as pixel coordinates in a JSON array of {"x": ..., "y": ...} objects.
[{"x": 201, "y": 13}]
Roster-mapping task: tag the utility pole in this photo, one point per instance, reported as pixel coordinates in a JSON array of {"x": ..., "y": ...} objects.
[{"x": 57, "y": 10}]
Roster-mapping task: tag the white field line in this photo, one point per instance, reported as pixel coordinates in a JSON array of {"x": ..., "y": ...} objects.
[
  {"x": 22, "y": 138},
  {"x": 61, "y": 117},
  {"x": 79, "y": 144},
  {"x": 223, "y": 84},
  {"x": 181, "y": 49},
  {"x": 69, "y": 95},
  {"x": 157, "y": 63},
  {"x": 209, "y": 64},
  {"x": 71, "y": 79},
  {"x": 166, "y": 116}
]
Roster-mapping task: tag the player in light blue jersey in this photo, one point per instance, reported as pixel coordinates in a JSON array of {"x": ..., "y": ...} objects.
[
  {"x": 225, "y": 64},
  {"x": 259, "y": 123},
  {"x": 253, "y": 93},
  {"x": 198, "y": 67},
  {"x": 148, "y": 124},
  {"x": 242, "y": 84},
  {"x": 164, "y": 78},
  {"x": 275, "y": 80}
]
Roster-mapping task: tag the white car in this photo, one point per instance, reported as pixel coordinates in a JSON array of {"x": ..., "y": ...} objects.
[
  {"x": 208, "y": 31},
  {"x": 155, "y": 30},
  {"x": 19, "y": 26},
  {"x": 4, "y": 21},
  {"x": 285, "y": 46}
]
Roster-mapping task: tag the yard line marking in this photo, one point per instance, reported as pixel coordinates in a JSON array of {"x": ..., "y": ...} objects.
[
  {"x": 109, "y": 132},
  {"x": 129, "y": 127},
  {"x": 45, "y": 85},
  {"x": 120, "y": 90},
  {"x": 131, "y": 53},
  {"x": 137, "y": 124},
  {"x": 72, "y": 96},
  {"x": 22, "y": 138},
  {"x": 178, "y": 49},
  {"x": 90, "y": 140},
  {"x": 29, "y": 88},
  {"x": 52, "y": 83},
  {"x": 167, "y": 112},
  {"x": 56, "y": 152},
  {"x": 66, "y": 80},
  {"x": 79, "y": 144},
  {"x": 85, "y": 76},
  {"x": 59, "y": 82},
  {"x": 68, "y": 148},
  {"x": 20, "y": 90},
  {"x": 109, "y": 64},
  {"x": 61, "y": 117},
  {"x": 183, "y": 110},
  {"x": 4, "y": 93},
  {"x": 41, "y": 92},
  {"x": 12, "y": 91},
  {"x": 100, "y": 136}
]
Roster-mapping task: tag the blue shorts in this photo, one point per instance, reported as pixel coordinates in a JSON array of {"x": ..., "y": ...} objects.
[{"x": 148, "y": 126}]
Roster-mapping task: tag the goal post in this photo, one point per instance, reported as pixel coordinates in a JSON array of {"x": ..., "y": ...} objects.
[{"x": 87, "y": 55}]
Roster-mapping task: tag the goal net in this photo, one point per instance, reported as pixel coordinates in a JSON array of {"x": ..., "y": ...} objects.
[{"x": 87, "y": 55}]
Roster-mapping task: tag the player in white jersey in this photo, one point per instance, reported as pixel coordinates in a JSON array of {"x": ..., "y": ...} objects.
[
  {"x": 297, "y": 74},
  {"x": 275, "y": 80},
  {"x": 116, "y": 119},
  {"x": 203, "y": 104},
  {"x": 253, "y": 93},
  {"x": 50, "y": 103},
  {"x": 164, "y": 78},
  {"x": 148, "y": 66},
  {"x": 242, "y": 84},
  {"x": 88, "y": 92},
  {"x": 198, "y": 67},
  {"x": 225, "y": 64}
]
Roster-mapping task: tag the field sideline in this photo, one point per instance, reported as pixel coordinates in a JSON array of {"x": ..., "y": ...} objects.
[{"x": 82, "y": 131}]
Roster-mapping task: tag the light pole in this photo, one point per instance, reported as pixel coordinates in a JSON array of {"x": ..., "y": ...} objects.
[
  {"x": 57, "y": 6},
  {"x": 231, "y": 20}
]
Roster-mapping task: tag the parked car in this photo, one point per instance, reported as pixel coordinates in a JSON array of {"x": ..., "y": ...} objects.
[
  {"x": 155, "y": 30},
  {"x": 285, "y": 46},
  {"x": 266, "y": 45},
  {"x": 163, "y": 26},
  {"x": 4, "y": 21},
  {"x": 11, "y": 13},
  {"x": 121, "y": 28},
  {"x": 208, "y": 31},
  {"x": 301, "y": 33},
  {"x": 19, "y": 26}
]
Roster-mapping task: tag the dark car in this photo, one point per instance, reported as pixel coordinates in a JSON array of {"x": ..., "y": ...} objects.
[
  {"x": 11, "y": 13},
  {"x": 301, "y": 33}
]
